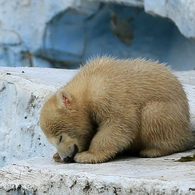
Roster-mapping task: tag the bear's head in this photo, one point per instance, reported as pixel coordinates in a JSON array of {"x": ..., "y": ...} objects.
[{"x": 65, "y": 125}]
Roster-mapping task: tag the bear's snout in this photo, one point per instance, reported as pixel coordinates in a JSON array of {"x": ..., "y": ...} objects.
[{"x": 70, "y": 158}]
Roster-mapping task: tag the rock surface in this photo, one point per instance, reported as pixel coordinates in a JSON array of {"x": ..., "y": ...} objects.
[
  {"x": 66, "y": 32},
  {"x": 181, "y": 12},
  {"x": 164, "y": 175}
]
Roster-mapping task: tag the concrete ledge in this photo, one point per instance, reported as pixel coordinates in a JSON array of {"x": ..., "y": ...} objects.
[{"x": 124, "y": 176}]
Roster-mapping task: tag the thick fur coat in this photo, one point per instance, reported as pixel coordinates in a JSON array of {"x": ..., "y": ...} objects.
[{"x": 115, "y": 105}]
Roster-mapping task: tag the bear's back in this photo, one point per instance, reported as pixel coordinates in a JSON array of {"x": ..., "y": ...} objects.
[{"x": 138, "y": 80}]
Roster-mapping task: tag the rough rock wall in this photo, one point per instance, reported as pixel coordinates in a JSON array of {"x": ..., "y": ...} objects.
[
  {"x": 65, "y": 33},
  {"x": 22, "y": 28},
  {"x": 22, "y": 25},
  {"x": 181, "y": 12}
]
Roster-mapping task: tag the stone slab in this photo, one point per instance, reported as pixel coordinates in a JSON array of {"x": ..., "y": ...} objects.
[{"x": 125, "y": 175}]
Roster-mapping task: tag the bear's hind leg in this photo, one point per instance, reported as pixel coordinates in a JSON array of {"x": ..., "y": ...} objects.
[
  {"x": 165, "y": 129},
  {"x": 154, "y": 152}
]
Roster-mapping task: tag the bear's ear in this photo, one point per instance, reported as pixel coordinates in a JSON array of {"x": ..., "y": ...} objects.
[{"x": 64, "y": 98}]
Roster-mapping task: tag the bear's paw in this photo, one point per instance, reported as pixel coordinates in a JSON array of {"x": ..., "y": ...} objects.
[
  {"x": 88, "y": 157},
  {"x": 57, "y": 158}
]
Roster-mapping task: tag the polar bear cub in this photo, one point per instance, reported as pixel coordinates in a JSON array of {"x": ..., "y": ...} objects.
[{"x": 115, "y": 105}]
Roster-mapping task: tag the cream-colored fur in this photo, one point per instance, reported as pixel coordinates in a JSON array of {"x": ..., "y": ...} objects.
[{"x": 115, "y": 105}]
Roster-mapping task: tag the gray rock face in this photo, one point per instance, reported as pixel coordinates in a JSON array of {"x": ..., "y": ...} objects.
[
  {"x": 67, "y": 32},
  {"x": 180, "y": 12}
]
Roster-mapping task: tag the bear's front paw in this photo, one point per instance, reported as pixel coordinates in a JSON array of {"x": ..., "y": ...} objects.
[
  {"x": 57, "y": 158},
  {"x": 88, "y": 157}
]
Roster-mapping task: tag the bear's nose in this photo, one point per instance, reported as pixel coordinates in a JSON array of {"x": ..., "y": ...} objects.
[
  {"x": 72, "y": 152},
  {"x": 67, "y": 159}
]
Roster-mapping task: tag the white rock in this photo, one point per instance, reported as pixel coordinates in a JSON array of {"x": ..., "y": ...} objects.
[
  {"x": 164, "y": 175},
  {"x": 181, "y": 12},
  {"x": 22, "y": 91},
  {"x": 31, "y": 30},
  {"x": 8, "y": 37}
]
